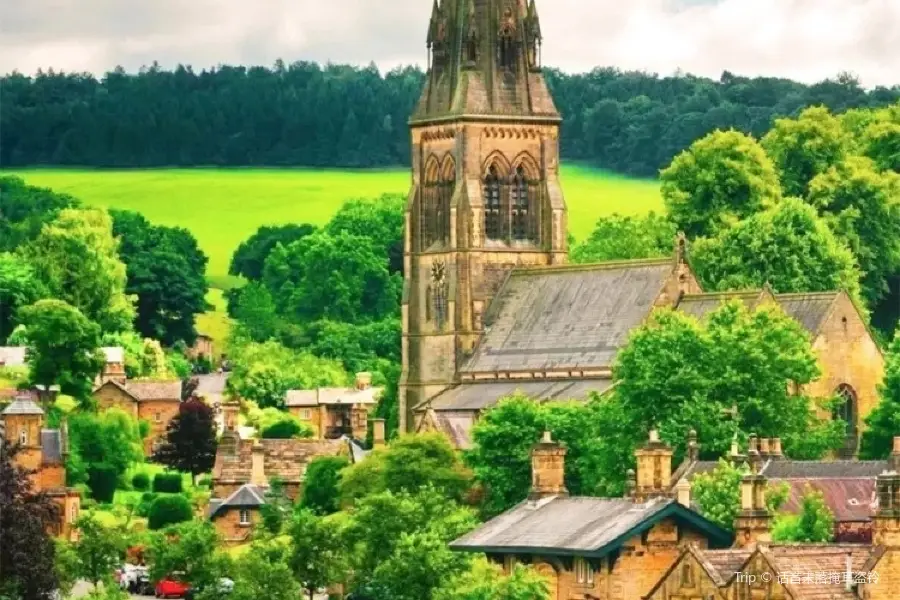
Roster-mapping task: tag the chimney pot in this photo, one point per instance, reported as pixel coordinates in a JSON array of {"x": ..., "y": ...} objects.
[
  {"x": 547, "y": 438},
  {"x": 754, "y": 444},
  {"x": 683, "y": 491},
  {"x": 363, "y": 381},
  {"x": 258, "y": 465},
  {"x": 548, "y": 469},
  {"x": 896, "y": 444},
  {"x": 764, "y": 446},
  {"x": 654, "y": 436},
  {"x": 776, "y": 447}
]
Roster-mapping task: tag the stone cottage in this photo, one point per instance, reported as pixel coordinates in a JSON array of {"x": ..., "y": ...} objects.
[
  {"x": 156, "y": 402},
  {"x": 336, "y": 412}
]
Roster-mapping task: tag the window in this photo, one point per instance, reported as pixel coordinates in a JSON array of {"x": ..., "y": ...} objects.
[
  {"x": 23, "y": 436},
  {"x": 687, "y": 576},
  {"x": 584, "y": 572},
  {"x": 520, "y": 205},
  {"x": 245, "y": 517},
  {"x": 509, "y": 563},
  {"x": 493, "y": 217},
  {"x": 437, "y": 193},
  {"x": 306, "y": 414},
  {"x": 157, "y": 417},
  {"x": 846, "y": 410},
  {"x": 73, "y": 513}
]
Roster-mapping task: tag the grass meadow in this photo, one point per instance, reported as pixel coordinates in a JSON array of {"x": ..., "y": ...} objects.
[{"x": 223, "y": 207}]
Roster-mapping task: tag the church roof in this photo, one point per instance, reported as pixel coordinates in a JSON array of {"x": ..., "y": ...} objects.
[
  {"x": 582, "y": 526},
  {"x": 478, "y": 396},
  {"x": 51, "y": 447},
  {"x": 700, "y": 305},
  {"x": 576, "y": 316},
  {"x": 809, "y": 309}
]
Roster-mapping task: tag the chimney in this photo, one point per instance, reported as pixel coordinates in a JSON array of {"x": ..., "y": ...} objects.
[
  {"x": 548, "y": 469},
  {"x": 734, "y": 455},
  {"x": 764, "y": 447},
  {"x": 654, "y": 468},
  {"x": 377, "y": 433},
  {"x": 693, "y": 448},
  {"x": 683, "y": 493},
  {"x": 753, "y": 456},
  {"x": 630, "y": 483},
  {"x": 895, "y": 455},
  {"x": 753, "y": 523},
  {"x": 258, "y": 465},
  {"x": 776, "y": 448},
  {"x": 363, "y": 381},
  {"x": 886, "y": 521}
]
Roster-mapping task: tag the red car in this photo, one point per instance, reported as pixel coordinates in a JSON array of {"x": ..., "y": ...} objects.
[{"x": 172, "y": 587}]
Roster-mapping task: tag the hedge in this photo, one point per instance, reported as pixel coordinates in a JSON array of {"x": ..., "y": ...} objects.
[
  {"x": 140, "y": 482},
  {"x": 168, "y": 483},
  {"x": 169, "y": 510}
]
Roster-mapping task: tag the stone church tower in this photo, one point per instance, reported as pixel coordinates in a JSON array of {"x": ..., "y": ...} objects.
[{"x": 485, "y": 191}]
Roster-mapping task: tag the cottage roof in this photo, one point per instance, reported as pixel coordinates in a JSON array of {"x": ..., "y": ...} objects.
[
  {"x": 332, "y": 396},
  {"x": 818, "y": 558},
  {"x": 212, "y": 383},
  {"x": 246, "y": 496},
  {"x": 23, "y": 406},
  {"x": 722, "y": 564},
  {"x": 284, "y": 459},
  {"x": 590, "y": 527},
  {"x": 567, "y": 317},
  {"x": 143, "y": 391},
  {"x": 12, "y": 356}
]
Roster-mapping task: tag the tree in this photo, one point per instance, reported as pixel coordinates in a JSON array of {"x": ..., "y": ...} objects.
[
  {"x": 19, "y": 287},
  {"x": 167, "y": 510},
  {"x": 250, "y": 257},
  {"x": 189, "y": 548},
  {"x": 722, "y": 178},
  {"x": 144, "y": 358},
  {"x": 166, "y": 271},
  {"x": 190, "y": 443},
  {"x": 317, "y": 557},
  {"x": 255, "y": 312},
  {"x": 804, "y": 147},
  {"x": 379, "y": 219},
  {"x": 863, "y": 206},
  {"x": 341, "y": 277},
  {"x": 718, "y": 493},
  {"x": 27, "y": 552},
  {"x": 735, "y": 357},
  {"x": 63, "y": 347},
  {"x": 321, "y": 488},
  {"x": 263, "y": 572},
  {"x": 409, "y": 464},
  {"x": 619, "y": 237},
  {"x": 102, "y": 445},
  {"x": 881, "y": 140},
  {"x": 755, "y": 252},
  {"x": 486, "y": 581},
  {"x": 25, "y": 209},
  {"x": 99, "y": 551},
  {"x": 883, "y": 423},
  {"x": 814, "y": 524},
  {"x": 76, "y": 257}
]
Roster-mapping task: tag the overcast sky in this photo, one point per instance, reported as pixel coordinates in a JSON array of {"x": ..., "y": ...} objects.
[{"x": 807, "y": 40}]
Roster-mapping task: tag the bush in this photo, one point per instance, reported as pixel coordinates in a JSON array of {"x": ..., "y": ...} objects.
[
  {"x": 274, "y": 424},
  {"x": 168, "y": 483},
  {"x": 204, "y": 482},
  {"x": 143, "y": 507},
  {"x": 102, "y": 480},
  {"x": 282, "y": 430},
  {"x": 169, "y": 510},
  {"x": 140, "y": 482}
]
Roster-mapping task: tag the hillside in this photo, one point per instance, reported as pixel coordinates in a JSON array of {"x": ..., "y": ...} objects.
[{"x": 222, "y": 207}]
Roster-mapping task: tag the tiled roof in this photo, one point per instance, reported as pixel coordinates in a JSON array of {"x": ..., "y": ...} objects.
[
  {"x": 23, "y": 406},
  {"x": 849, "y": 499},
  {"x": 246, "y": 496},
  {"x": 51, "y": 447},
  {"x": 213, "y": 383},
  {"x": 478, "y": 396},
  {"x": 700, "y": 305},
  {"x": 330, "y": 396},
  {"x": 12, "y": 356},
  {"x": 818, "y": 558},
  {"x": 155, "y": 390},
  {"x": 824, "y": 469},
  {"x": 580, "y": 525},
  {"x": 575, "y": 316},
  {"x": 114, "y": 354},
  {"x": 722, "y": 564},
  {"x": 808, "y": 309},
  {"x": 285, "y": 459}
]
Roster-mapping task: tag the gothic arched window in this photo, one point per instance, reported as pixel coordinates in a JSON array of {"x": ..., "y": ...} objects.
[
  {"x": 493, "y": 206},
  {"x": 521, "y": 223},
  {"x": 846, "y": 411},
  {"x": 434, "y": 215},
  {"x": 506, "y": 45}
]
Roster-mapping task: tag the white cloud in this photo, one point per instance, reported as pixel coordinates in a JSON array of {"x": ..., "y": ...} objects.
[{"x": 807, "y": 40}]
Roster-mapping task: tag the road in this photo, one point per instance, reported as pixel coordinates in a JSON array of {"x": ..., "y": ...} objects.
[{"x": 81, "y": 590}]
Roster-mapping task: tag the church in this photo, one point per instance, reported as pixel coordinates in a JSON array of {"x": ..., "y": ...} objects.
[{"x": 489, "y": 304}]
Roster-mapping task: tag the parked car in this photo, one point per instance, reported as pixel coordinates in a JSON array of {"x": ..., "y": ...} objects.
[
  {"x": 135, "y": 579},
  {"x": 172, "y": 586},
  {"x": 224, "y": 587}
]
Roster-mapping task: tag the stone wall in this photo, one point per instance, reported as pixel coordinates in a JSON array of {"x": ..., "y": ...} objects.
[
  {"x": 158, "y": 413},
  {"x": 228, "y": 524}
]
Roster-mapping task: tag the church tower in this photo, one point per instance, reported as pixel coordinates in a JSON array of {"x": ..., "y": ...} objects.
[{"x": 485, "y": 194}]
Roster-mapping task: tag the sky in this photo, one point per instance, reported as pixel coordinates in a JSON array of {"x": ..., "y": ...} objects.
[{"x": 806, "y": 40}]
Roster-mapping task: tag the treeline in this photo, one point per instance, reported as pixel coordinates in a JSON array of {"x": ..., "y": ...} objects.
[{"x": 306, "y": 114}]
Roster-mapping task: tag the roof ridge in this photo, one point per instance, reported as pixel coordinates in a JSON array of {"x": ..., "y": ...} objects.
[
  {"x": 808, "y": 294},
  {"x": 605, "y": 265},
  {"x": 720, "y": 294}
]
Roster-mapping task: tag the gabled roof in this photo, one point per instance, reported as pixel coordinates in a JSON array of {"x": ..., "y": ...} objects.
[
  {"x": 478, "y": 396},
  {"x": 574, "y": 316},
  {"x": 332, "y": 396},
  {"x": 23, "y": 406},
  {"x": 143, "y": 391},
  {"x": 700, "y": 305},
  {"x": 246, "y": 496},
  {"x": 580, "y": 526},
  {"x": 808, "y": 309},
  {"x": 818, "y": 558}
]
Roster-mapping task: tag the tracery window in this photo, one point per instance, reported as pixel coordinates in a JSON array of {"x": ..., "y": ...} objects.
[
  {"x": 493, "y": 209},
  {"x": 434, "y": 218},
  {"x": 512, "y": 204},
  {"x": 436, "y": 296},
  {"x": 520, "y": 206},
  {"x": 846, "y": 410}
]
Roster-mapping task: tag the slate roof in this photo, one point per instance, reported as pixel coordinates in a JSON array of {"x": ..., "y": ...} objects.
[
  {"x": 246, "y": 496},
  {"x": 12, "y": 356},
  {"x": 809, "y": 309},
  {"x": 331, "y": 396},
  {"x": 817, "y": 558},
  {"x": 213, "y": 383},
  {"x": 590, "y": 527},
  {"x": 825, "y": 469},
  {"x": 457, "y": 425},
  {"x": 722, "y": 564},
  {"x": 155, "y": 390},
  {"x": 569, "y": 317},
  {"x": 23, "y": 406},
  {"x": 478, "y": 396},
  {"x": 285, "y": 459},
  {"x": 700, "y": 305},
  {"x": 51, "y": 447}
]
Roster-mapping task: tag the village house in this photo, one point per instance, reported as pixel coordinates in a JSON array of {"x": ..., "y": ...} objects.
[
  {"x": 156, "y": 402},
  {"x": 336, "y": 412},
  {"x": 596, "y": 548},
  {"x": 848, "y": 486},
  {"x": 490, "y": 306},
  {"x": 760, "y": 569},
  {"x": 245, "y": 468},
  {"x": 113, "y": 368},
  {"x": 43, "y": 453}
]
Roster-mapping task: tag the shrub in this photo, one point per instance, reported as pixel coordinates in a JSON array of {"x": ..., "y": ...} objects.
[
  {"x": 143, "y": 507},
  {"x": 102, "y": 480},
  {"x": 204, "y": 482},
  {"x": 168, "y": 483},
  {"x": 169, "y": 510},
  {"x": 282, "y": 430},
  {"x": 140, "y": 482},
  {"x": 274, "y": 424}
]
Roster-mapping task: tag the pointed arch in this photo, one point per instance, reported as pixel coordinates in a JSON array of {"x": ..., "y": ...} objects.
[
  {"x": 448, "y": 168},
  {"x": 847, "y": 411},
  {"x": 526, "y": 203},
  {"x": 528, "y": 164},
  {"x": 432, "y": 169},
  {"x": 497, "y": 160},
  {"x": 434, "y": 212}
]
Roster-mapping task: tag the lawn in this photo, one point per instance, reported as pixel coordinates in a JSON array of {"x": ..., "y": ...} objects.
[{"x": 222, "y": 207}]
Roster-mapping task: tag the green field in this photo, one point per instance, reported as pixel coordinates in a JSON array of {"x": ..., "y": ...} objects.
[{"x": 222, "y": 207}]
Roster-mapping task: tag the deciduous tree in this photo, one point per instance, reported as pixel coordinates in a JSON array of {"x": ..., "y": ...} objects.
[
  {"x": 718, "y": 493},
  {"x": 485, "y": 581},
  {"x": 883, "y": 423},
  {"x": 190, "y": 443},
  {"x": 250, "y": 257},
  {"x": 317, "y": 556},
  {"x": 19, "y": 287},
  {"x": 379, "y": 219},
  {"x": 99, "y": 551},
  {"x": 321, "y": 488},
  {"x": 620, "y": 237}
]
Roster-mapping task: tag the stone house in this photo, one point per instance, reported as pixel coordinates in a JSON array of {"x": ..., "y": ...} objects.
[
  {"x": 760, "y": 569},
  {"x": 156, "y": 402},
  {"x": 848, "y": 486},
  {"x": 595, "y": 548},
  {"x": 489, "y": 306},
  {"x": 43, "y": 453},
  {"x": 336, "y": 412}
]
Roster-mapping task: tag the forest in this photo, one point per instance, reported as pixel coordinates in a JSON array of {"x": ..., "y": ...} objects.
[{"x": 307, "y": 114}]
